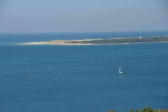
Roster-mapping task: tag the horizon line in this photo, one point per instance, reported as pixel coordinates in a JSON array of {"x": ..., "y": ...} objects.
[{"x": 84, "y": 32}]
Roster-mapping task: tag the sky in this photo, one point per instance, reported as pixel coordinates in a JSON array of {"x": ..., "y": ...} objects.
[{"x": 50, "y": 16}]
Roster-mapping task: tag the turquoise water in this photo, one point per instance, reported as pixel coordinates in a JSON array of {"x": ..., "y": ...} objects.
[{"x": 81, "y": 78}]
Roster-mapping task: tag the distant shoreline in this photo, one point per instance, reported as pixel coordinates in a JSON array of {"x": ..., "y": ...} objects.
[{"x": 110, "y": 41}]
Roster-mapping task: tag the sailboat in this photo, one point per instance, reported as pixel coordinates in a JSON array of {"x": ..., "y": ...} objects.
[
  {"x": 120, "y": 71},
  {"x": 140, "y": 38}
]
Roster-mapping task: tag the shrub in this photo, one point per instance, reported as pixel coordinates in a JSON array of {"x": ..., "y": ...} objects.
[
  {"x": 111, "y": 111},
  {"x": 148, "y": 109},
  {"x": 163, "y": 111}
]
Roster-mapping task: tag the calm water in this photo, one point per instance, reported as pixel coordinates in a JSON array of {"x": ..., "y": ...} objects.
[{"x": 81, "y": 78}]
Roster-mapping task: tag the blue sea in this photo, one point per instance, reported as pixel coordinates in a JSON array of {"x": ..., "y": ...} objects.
[{"x": 82, "y": 78}]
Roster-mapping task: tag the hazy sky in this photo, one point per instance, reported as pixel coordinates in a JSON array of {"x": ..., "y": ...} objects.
[{"x": 31, "y": 16}]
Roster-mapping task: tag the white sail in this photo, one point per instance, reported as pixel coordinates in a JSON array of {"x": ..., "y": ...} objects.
[{"x": 120, "y": 71}]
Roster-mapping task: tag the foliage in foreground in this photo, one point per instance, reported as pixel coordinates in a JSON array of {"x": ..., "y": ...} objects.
[{"x": 148, "y": 109}]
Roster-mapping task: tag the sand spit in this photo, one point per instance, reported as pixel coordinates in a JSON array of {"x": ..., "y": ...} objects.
[
  {"x": 62, "y": 42},
  {"x": 110, "y": 41}
]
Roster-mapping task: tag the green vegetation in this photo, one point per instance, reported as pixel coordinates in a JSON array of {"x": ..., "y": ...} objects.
[
  {"x": 111, "y": 111},
  {"x": 148, "y": 109}
]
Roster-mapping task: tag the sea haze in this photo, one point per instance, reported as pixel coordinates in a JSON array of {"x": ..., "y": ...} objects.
[{"x": 82, "y": 78}]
